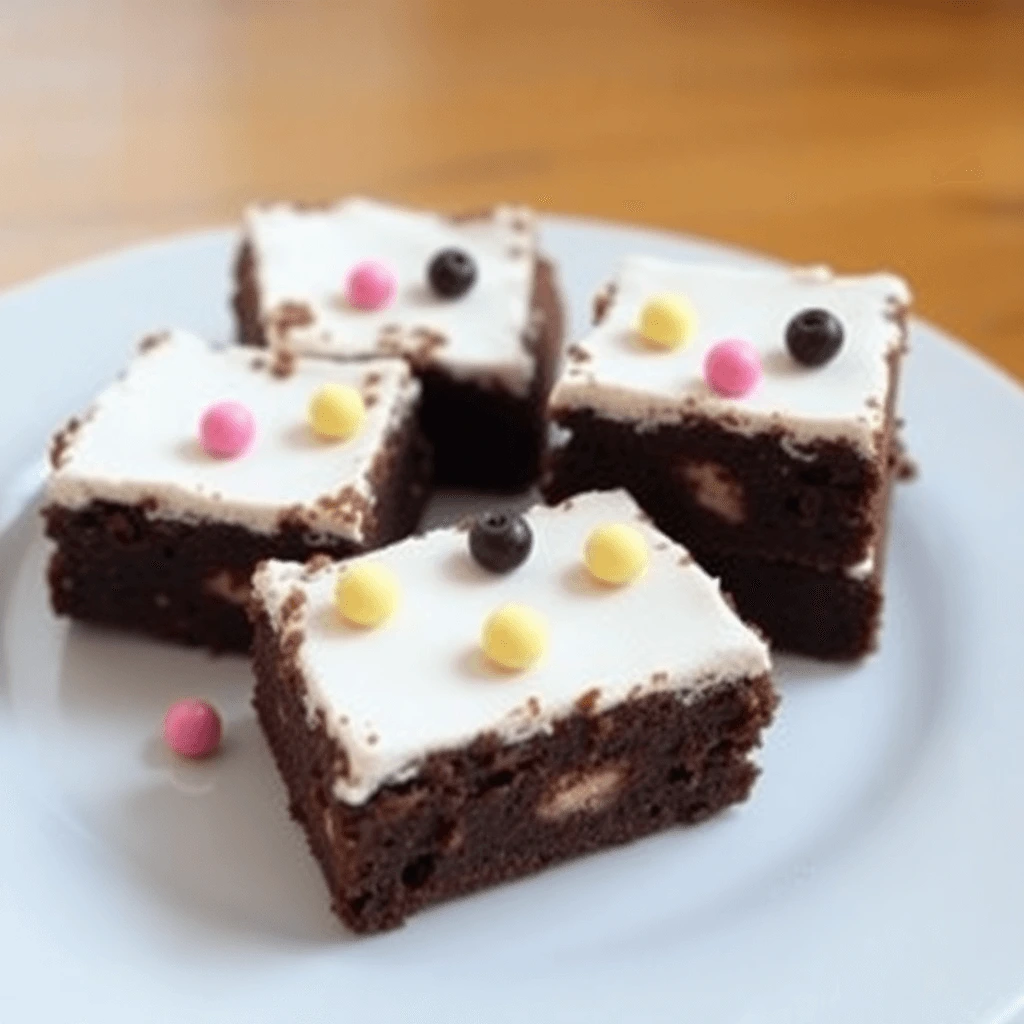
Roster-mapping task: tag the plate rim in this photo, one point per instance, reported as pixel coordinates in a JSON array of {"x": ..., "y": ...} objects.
[{"x": 107, "y": 261}]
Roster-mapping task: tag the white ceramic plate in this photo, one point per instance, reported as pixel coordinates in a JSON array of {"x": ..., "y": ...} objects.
[{"x": 874, "y": 877}]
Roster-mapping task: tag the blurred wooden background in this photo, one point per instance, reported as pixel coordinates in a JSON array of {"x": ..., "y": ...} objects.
[{"x": 863, "y": 133}]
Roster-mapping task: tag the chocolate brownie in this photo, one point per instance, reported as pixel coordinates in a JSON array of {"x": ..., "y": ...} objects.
[
  {"x": 154, "y": 534},
  {"x": 420, "y": 770},
  {"x": 788, "y": 479},
  {"x": 486, "y": 355}
]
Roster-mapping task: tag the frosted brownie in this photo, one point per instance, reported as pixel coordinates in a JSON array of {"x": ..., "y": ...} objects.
[
  {"x": 420, "y": 770},
  {"x": 482, "y": 331},
  {"x": 155, "y": 534},
  {"x": 797, "y": 469},
  {"x": 789, "y": 478}
]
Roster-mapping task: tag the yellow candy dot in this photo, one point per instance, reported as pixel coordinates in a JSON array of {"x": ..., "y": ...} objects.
[
  {"x": 667, "y": 321},
  {"x": 367, "y": 594},
  {"x": 337, "y": 411},
  {"x": 616, "y": 553},
  {"x": 515, "y": 636}
]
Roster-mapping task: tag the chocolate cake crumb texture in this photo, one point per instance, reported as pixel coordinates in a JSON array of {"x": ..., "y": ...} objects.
[{"x": 407, "y": 803}]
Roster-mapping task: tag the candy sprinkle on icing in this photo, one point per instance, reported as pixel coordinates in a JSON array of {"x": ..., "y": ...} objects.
[
  {"x": 337, "y": 412},
  {"x": 500, "y": 541},
  {"x": 451, "y": 273},
  {"x": 370, "y": 285},
  {"x": 367, "y": 594},
  {"x": 227, "y": 430},
  {"x": 732, "y": 368},
  {"x": 515, "y": 636},
  {"x": 814, "y": 336},
  {"x": 616, "y": 553},
  {"x": 667, "y": 321}
]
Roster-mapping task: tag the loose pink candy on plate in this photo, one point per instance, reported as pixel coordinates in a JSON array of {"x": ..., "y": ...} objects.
[
  {"x": 226, "y": 430},
  {"x": 192, "y": 728},
  {"x": 370, "y": 285},
  {"x": 732, "y": 368}
]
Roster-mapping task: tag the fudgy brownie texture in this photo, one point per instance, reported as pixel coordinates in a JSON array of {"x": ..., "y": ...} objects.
[
  {"x": 118, "y": 565},
  {"x": 710, "y": 487},
  {"x": 822, "y": 614},
  {"x": 483, "y": 436},
  {"x": 828, "y": 614},
  {"x": 490, "y": 812}
]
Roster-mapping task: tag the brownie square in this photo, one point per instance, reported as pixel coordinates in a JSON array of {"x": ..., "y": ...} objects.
[
  {"x": 421, "y": 772},
  {"x": 796, "y": 470},
  {"x": 486, "y": 359},
  {"x": 153, "y": 534}
]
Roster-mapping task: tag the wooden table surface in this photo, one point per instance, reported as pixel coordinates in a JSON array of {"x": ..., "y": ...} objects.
[{"x": 863, "y": 133}]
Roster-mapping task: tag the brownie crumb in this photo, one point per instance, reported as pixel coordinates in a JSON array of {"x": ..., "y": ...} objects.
[
  {"x": 291, "y": 641},
  {"x": 259, "y": 363},
  {"x": 291, "y": 314},
  {"x": 576, "y": 353},
  {"x": 152, "y": 341},
  {"x": 373, "y": 739},
  {"x": 372, "y": 379},
  {"x": 533, "y": 706},
  {"x": 427, "y": 343},
  {"x": 603, "y": 301},
  {"x": 284, "y": 363},
  {"x": 659, "y": 678},
  {"x": 390, "y": 344},
  {"x": 588, "y": 701},
  {"x": 686, "y": 559},
  {"x": 62, "y": 441},
  {"x": 315, "y": 563},
  {"x": 903, "y": 467},
  {"x": 907, "y": 470},
  {"x": 292, "y": 604},
  {"x": 515, "y": 252},
  {"x": 293, "y": 517}
]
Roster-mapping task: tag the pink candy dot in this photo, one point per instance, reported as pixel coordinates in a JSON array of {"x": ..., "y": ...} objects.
[
  {"x": 732, "y": 368},
  {"x": 192, "y": 728},
  {"x": 226, "y": 430},
  {"x": 370, "y": 285}
]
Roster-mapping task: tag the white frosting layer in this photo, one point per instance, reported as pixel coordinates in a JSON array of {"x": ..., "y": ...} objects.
[
  {"x": 619, "y": 376},
  {"x": 392, "y": 696},
  {"x": 139, "y": 441},
  {"x": 304, "y": 256}
]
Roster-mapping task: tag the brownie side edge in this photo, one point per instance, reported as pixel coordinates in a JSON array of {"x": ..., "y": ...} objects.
[
  {"x": 484, "y": 435},
  {"x": 490, "y": 813},
  {"x": 118, "y": 565}
]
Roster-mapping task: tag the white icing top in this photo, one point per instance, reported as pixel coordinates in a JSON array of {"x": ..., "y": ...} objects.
[
  {"x": 304, "y": 256},
  {"x": 140, "y": 441},
  {"x": 619, "y": 376},
  {"x": 420, "y": 684}
]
